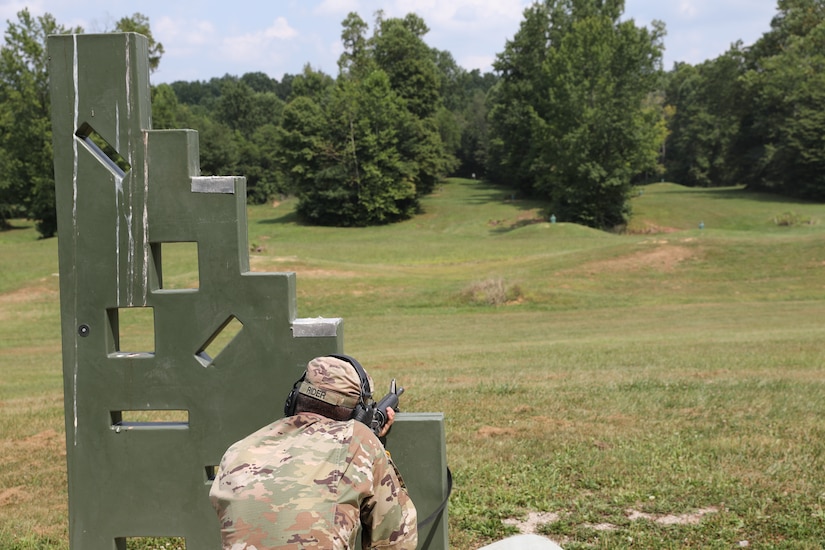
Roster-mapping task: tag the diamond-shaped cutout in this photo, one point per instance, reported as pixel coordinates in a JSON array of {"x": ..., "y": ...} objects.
[
  {"x": 219, "y": 340},
  {"x": 103, "y": 150}
]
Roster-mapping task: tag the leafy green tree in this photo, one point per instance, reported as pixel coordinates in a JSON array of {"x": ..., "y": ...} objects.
[
  {"x": 574, "y": 95},
  {"x": 236, "y": 107},
  {"x": 516, "y": 122},
  {"x": 342, "y": 159},
  {"x": 139, "y": 23},
  {"x": 462, "y": 119},
  {"x": 398, "y": 49},
  {"x": 705, "y": 119},
  {"x": 302, "y": 142},
  {"x": 364, "y": 150},
  {"x": 27, "y": 179},
  {"x": 451, "y": 76},
  {"x": 472, "y": 151},
  {"x": 264, "y": 166},
  {"x": 355, "y": 61},
  {"x": 312, "y": 84},
  {"x": 165, "y": 107},
  {"x": 780, "y": 146},
  {"x": 365, "y": 120},
  {"x": 258, "y": 146},
  {"x": 794, "y": 19},
  {"x": 198, "y": 92},
  {"x": 219, "y": 148},
  {"x": 260, "y": 82},
  {"x": 449, "y": 126},
  {"x": 283, "y": 89},
  {"x": 237, "y": 120}
]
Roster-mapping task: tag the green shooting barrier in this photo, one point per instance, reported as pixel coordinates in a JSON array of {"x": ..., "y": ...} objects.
[{"x": 172, "y": 348}]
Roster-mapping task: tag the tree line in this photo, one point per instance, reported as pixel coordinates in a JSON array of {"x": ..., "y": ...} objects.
[
  {"x": 578, "y": 111},
  {"x": 756, "y": 114},
  {"x": 358, "y": 149}
]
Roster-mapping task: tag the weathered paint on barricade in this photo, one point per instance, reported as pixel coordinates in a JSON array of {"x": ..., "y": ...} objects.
[{"x": 160, "y": 380}]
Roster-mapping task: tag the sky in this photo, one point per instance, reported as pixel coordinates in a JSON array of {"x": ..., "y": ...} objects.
[{"x": 205, "y": 38}]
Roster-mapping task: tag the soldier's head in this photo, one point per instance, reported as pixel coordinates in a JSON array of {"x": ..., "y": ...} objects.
[{"x": 334, "y": 386}]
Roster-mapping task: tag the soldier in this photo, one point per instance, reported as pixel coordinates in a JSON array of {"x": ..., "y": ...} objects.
[{"x": 313, "y": 478}]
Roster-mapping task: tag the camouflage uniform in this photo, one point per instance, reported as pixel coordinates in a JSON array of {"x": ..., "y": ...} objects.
[{"x": 308, "y": 481}]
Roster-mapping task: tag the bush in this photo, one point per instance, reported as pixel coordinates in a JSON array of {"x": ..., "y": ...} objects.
[
  {"x": 491, "y": 292},
  {"x": 790, "y": 219}
]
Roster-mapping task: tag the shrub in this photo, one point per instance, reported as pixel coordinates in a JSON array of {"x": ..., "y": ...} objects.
[
  {"x": 790, "y": 219},
  {"x": 490, "y": 292}
]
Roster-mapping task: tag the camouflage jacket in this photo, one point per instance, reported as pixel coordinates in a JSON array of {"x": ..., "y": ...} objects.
[{"x": 307, "y": 481}]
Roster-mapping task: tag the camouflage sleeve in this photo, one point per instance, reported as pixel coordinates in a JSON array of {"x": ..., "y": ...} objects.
[{"x": 388, "y": 516}]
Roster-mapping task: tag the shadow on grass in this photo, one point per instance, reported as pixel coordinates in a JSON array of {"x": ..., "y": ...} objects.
[
  {"x": 501, "y": 229},
  {"x": 483, "y": 192},
  {"x": 288, "y": 218},
  {"x": 487, "y": 192},
  {"x": 13, "y": 226},
  {"x": 518, "y": 199}
]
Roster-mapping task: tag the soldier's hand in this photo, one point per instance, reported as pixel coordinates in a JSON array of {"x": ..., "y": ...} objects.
[{"x": 390, "y": 420}]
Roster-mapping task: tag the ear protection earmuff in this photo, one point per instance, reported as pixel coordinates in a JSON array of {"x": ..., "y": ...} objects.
[{"x": 363, "y": 410}]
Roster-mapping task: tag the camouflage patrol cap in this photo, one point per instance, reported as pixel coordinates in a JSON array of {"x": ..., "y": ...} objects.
[{"x": 333, "y": 381}]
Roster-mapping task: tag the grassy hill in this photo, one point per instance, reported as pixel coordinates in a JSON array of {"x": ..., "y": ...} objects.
[{"x": 657, "y": 388}]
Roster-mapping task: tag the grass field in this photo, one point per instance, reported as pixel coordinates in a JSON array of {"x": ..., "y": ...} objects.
[{"x": 661, "y": 388}]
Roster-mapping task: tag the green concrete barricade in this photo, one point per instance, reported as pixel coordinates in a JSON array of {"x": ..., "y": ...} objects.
[{"x": 164, "y": 370}]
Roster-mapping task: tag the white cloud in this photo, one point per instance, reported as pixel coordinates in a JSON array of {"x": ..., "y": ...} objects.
[
  {"x": 182, "y": 33},
  {"x": 688, "y": 8},
  {"x": 471, "y": 30},
  {"x": 464, "y": 14},
  {"x": 484, "y": 63},
  {"x": 280, "y": 30},
  {"x": 336, "y": 7},
  {"x": 9, "y": 10},
  {"x": 208, "y": 39},
  {"x": 336, "y": 48},
  {"x": 243, "y": 47}
]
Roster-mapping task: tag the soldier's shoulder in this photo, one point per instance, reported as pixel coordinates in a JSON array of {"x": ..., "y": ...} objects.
[
  {"x": 268, "y": 431},
  {"x": 363, "y": 436}
]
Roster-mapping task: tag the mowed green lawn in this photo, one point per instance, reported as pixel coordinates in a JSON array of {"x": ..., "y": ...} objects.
[{"x": 662, "y": 388}]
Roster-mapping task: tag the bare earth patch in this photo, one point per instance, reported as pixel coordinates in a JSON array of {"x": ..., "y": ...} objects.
[
  {"x": 671, "y": 519},
  {"x": 492, "y": 431},
  {"x": 13, "y": 496},
  {"x": 46, "y": 439},
  {"x": 45, "y": 290},
  {"x": 535, "y": 520},
  {"x": 648, "y": 228},
  {"x": 263, "y": 264},
  {"x": 43, "y": 452},
  {"x": 664, "y": 257}
]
